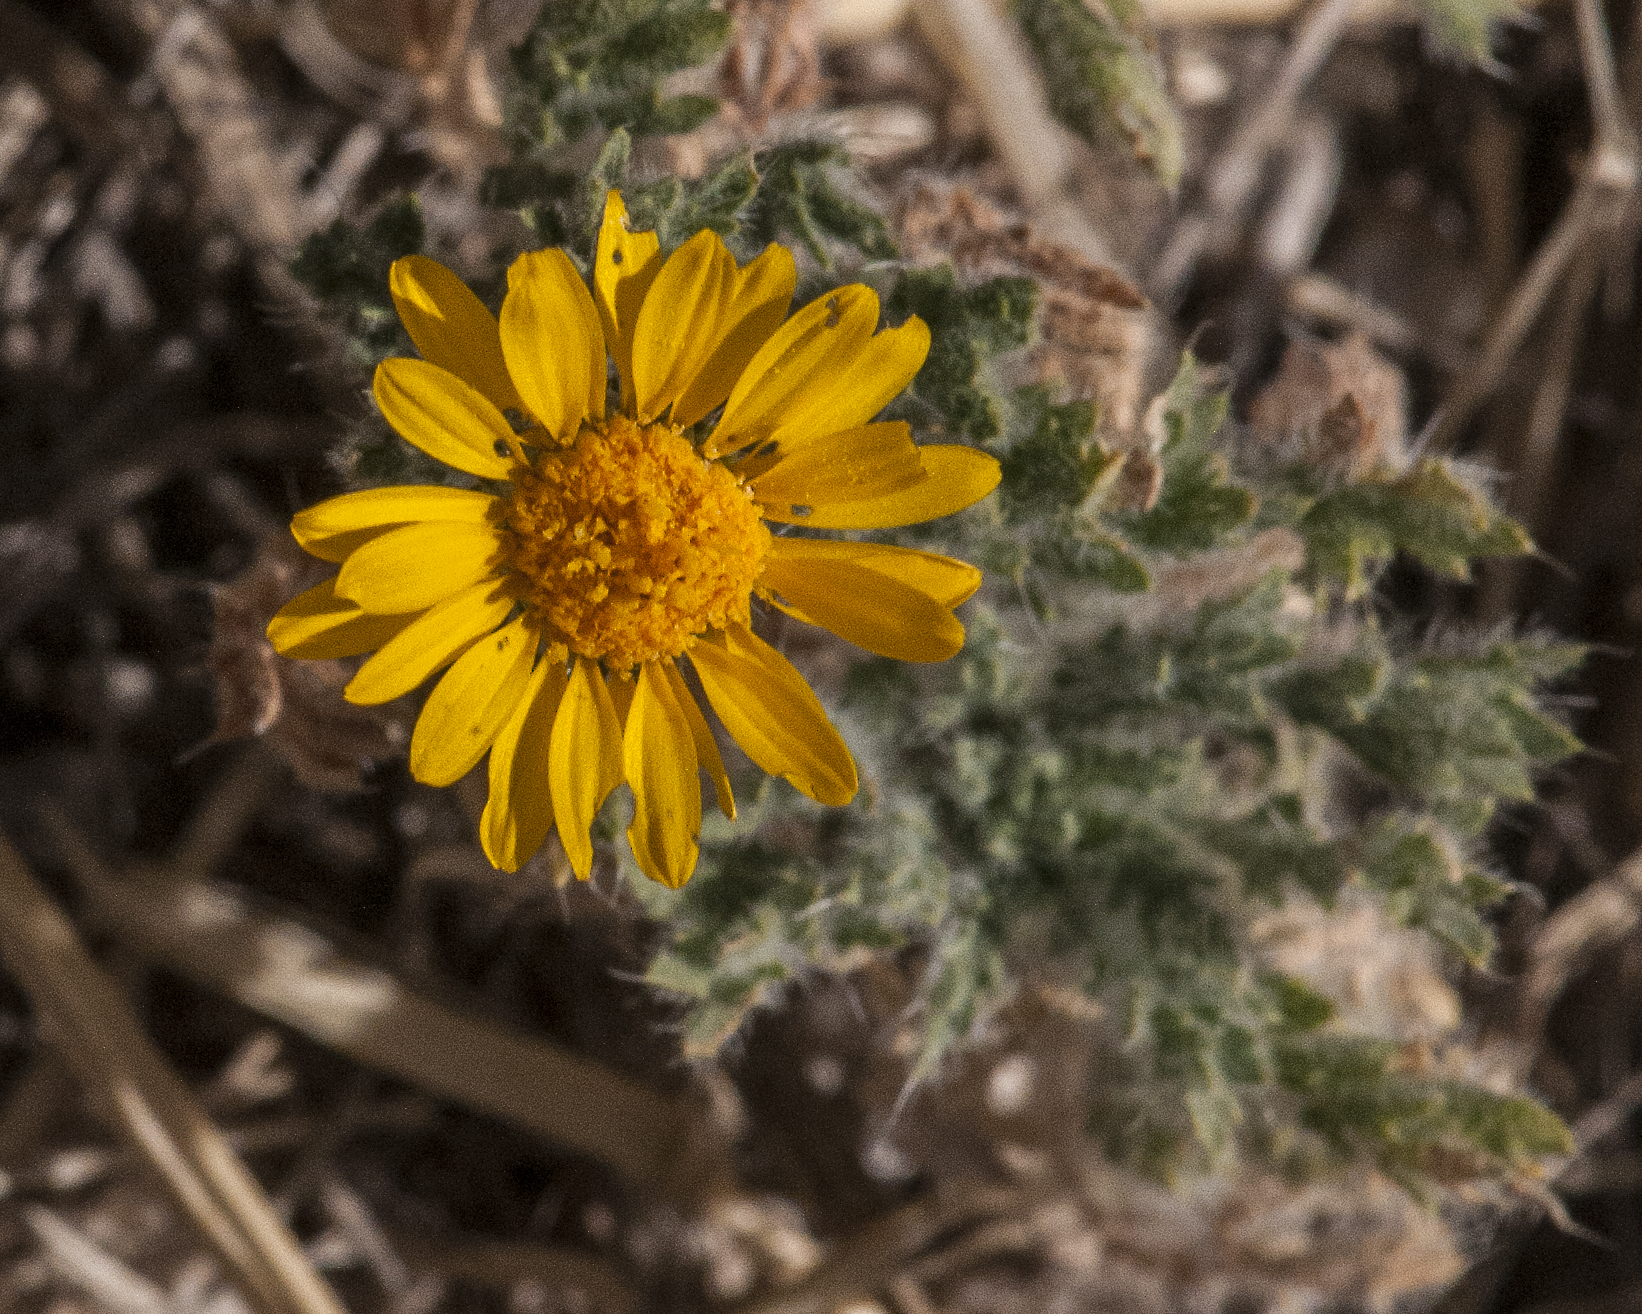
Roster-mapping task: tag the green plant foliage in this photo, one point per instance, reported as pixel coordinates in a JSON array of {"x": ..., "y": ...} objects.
[
  {"x": 966, "y": 326},
  {"x": 1467, "y": 26},
  {"x": 346, "y": 268},
  {"x": 1101, "y": 72},
  {"x": 1432, "y": 511},
  {"x": 589, "y": 64},
  {"x": 1121, "y": 774},
  {"x": 1175, "y": 720}
]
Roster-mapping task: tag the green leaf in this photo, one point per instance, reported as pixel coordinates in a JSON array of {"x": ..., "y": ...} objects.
[
  {"x": 967, "y": 327},
  {"x": 1431, "y": 512},
  {"x": 1101, "y": 72},
  {"x": 799, "y": 197}
]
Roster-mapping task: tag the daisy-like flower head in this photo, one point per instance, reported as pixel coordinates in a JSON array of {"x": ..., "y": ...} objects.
[{"x": 617, "y": 543}]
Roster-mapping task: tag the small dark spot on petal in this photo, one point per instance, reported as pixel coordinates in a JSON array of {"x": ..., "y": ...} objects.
[
  {"x": 501, "y": 447},
  {"x": 834, "y": 314},
  {"x": 615, "y": 256}
]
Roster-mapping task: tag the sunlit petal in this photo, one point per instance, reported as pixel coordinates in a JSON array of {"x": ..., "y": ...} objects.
[
  {"x": 319, "y": 624},
  {"x": 626, "y": 265},
  {"x": 891, "y": 601},
  {"x": 451, "y": 327},
  {"x": 759, "y": 297},
  {"x": 519, "y": 812},
  {"x": 356, "y": 517},
  {"x": 678, "y": 324},
  {"x": 857, "y": 465},
  {"x": 806, "y": 360},
  {"x": 774, "y": 716},
  {"x": 659, "y": 758},
  {"x": 553, "y": 342},
  {"x": 446, "y": 418},
  {"x": 584, "y": 761},
  {"x": 956, "y": 477},
  {"x": 471, "y": 703},
  {"x": 419, "y": 565},
  {"x": 429, "y": 642},
  {"x": 707, "y": 754}
]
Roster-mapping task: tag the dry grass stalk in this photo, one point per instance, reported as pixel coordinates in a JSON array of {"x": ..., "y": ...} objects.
[
  {"x": 98, "y": 1036},
  {"x": 287, "y": 972}
]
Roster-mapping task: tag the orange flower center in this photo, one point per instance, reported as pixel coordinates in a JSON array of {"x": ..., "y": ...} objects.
[{"x": 628, "y": 543}]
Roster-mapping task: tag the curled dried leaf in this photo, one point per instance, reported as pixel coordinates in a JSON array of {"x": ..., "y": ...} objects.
[
  {"x": 298, "y": 705},
  {"x": 1094, "y": 327}
]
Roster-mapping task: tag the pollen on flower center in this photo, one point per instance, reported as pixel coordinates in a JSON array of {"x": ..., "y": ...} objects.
[{"x": 629, "y": 543}]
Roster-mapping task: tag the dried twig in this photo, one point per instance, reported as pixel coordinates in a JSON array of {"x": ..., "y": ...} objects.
[
  {"x": 1607, "y": 186},
  {"x": 989, "y": 58},
  {"x": 290, "y": 973},
  {"x": 1231, "y": 180},
  {"x": 1598, "y": 917},
  {"x": 872, "y": 1257},
  {"x": 96, "y": 1033}
]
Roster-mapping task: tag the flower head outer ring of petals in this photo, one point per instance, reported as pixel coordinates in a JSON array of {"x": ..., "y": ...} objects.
[{"x": 437, "y": 579}]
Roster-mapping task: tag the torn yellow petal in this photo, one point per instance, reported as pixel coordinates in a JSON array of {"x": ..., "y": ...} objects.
[
  {"x": 419, "y": 565},
  {"x": 471, "y": 703},
  {"x": 758, "y": 300},
  {"x": 320, "y": 624},
  {"x": 707, "y": 754},
  {"x": 447, "y": 419},
  {"x": 957, "y": 477},
  {"x": 626, "y": 265},
  {"x": 857, "y": 465},
  {"x": 431, "y": 641},
  {"x": 659, "y": 758},
  {"x": 519, "y": 811},
  {"x": 678, "y": 324},
  {"x": 805, "y": 360},
  {"x": 320, "y": 529},
  {"x": 451, "y": 327},
  {"x": 553, "y": 342},
  {"x": 892, "y": 602},
  {"x": 584, "y": 761},
  {"x": 774, "y": 716}
]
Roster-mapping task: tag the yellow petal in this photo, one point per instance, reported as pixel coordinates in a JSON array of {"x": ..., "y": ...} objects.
[
  {"x": 805, "y": 360},
  {"x": 446, "y": 418},
  {"x": 469, "y": 706},
  {"x": 900, "y": 612},
  {"x": 553, "y": 342},
  {"x": 759, "y": 298},
  {"x": 875, "y": 374},
  {"x": 774, "y": 716},
  {"x": 519, "y": 812},
  {"x": 356, "y": 517},
  {"x": 429, "y": 642},
  {"x": 707, "y": 755},
  {"x": 320, "y": 624},
  {"x": 621, "y": 689},
  {"x": 417, "y": 566},
  {"x": 626, "y": 265},
  {"x": 584, "y": 761},
  {"x": 678, "y": 325},
  {"x": 451, "y": 327},
  {"x": 856, "y": 465},
  {"x": 945, "y": 579},
  {"x": 659, "y": 757},
  {"x": 957, "y": 477}
]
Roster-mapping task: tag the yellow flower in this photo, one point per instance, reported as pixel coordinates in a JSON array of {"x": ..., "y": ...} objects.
[{"x": 616, "y": 544}]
